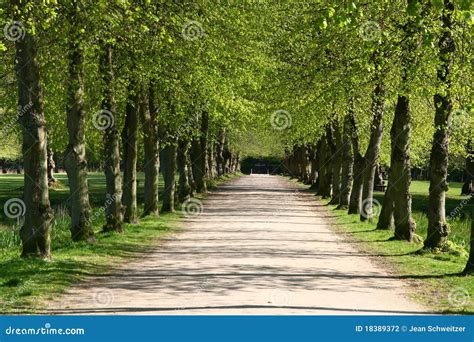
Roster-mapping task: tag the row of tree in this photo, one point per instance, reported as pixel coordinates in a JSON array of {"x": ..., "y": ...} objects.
[
  {"x": 409, "y": 52},
  {"x": 195, "y": 80},
  {"x": 159, "y": 95}
]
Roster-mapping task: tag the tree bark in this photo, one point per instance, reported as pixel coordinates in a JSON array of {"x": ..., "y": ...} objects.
[
  {"x": 236, "y": 165},
  {"x": 347, "y": 159},
  {"x": 325, "y": 170},
  {"x": 334, "y": 142},
  {"x": 114, "y": 209},
  {"x": 75, "y": 161},
  {"x": 227, "y": 155},
  {"x": 372, "y": 154},
  {"x": 51, "y": 165},
  {"x": 197, "y": 166},
  {"x": 359, "y": 165},
  {"x": 385, "y": 221},
  {"x": 219, "y": 152},
  {"x": 148, "y": 113},
  {"x": 400, "y": 170},
  {"x": 184, "y": 189},
  {"x": 315, "y": 166},
  {"x": 203, "y": 140},
  {"x": 292, "y": 163},
  {"x": 306, "y": 164},
  {"x": 299, "y": 161},
  {"x": 438, "y": 229},
  {"x": 130, "y": 155},
  {"x": 35, "y": 233},
  {"x": 378, "y": 179},
  {"x": 211, "y": 161},
  {"x": 469, "y": 269},
  {"x": 168, "y": 168},
  {"x": 468, "y": 186},
  {"x": 199, "y": 155},
  {"x": 192, "y": 184}
]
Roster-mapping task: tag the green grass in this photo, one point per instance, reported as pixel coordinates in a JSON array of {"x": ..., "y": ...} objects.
[
  {"x": 433, "y": 276},
  {"x": 11, "y": 186},
  {"x": 25, "y": 283}
]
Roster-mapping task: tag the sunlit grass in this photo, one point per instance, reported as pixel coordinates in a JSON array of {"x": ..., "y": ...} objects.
[
  {"x": 26, "y": 284},
  {"x": 434, "y": 276}
]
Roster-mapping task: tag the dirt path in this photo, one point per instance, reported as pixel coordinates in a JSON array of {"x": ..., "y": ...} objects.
[{"x": 261, "y": 246}]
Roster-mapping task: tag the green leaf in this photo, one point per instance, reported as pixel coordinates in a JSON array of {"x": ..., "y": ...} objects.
[
  {"x": 438, "y": 4},
  {"x": 412, "y": 8}
]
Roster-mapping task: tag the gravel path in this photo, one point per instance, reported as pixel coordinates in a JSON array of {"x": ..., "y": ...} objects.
[{"x": 261, "y": 246}]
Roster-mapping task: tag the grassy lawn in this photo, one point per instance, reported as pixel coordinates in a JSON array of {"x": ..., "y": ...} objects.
[
  {"x": 25, "y": 284},
  {"x": 433, "y": 276}
]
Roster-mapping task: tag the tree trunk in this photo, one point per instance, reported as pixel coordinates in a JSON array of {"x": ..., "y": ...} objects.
[
  {"x": 325, "y": 172},
  {"x": 400, "y": 170},
  {"x": 359, "y": 164},
  {"x": 199, "y": 155},
  {"x": 291, "y": 163},
  {"x": 306, "y": 164},
  {"x": 469, "y": 269},
  {"x": 129, "y": 139},
  {"x": 197, "y": 166},
  {"x": 203, "y": 140},
  {"x": 237, "y": 162},
  {"x": 378, "y": 179},
  {"x": 334, "y": 142},
  {"x": 219, "y": 152},
  {"x": 386, "y": 213},
  {"x": 227, "y": 155},
  {"x": 192, "y": 184},
  {"x": 113, "y": 178},
  {"x": 347, "y": 160},
  {"x": 184, "y": 188},
  {"x": 437, "y": 226},
  {"x": 75, "y": 161},
  {"x": 468, "y": 186},
  {"x": 372, "y": 154},
  {"x": 36, "y": 230},
  {"x": 299, "y": 162},
  {"x": 168, "y": 168},
  {"x": 315, "y": 166},
  {"x": 211, "y": 162},
  {"x": 151, "y": 166},
  {"x": 51, "y": 165}
]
